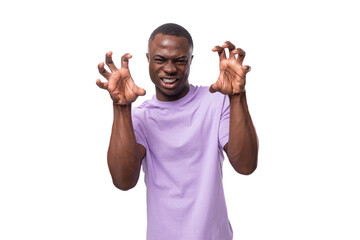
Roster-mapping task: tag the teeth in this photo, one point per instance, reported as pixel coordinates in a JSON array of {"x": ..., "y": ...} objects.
[{"x": 166, "y": 80}]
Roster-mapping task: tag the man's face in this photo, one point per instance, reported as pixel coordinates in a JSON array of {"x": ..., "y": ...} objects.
[{"x": 169, "y": 66}]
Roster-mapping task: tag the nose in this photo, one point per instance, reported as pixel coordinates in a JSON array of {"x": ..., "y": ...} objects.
[{"x": 170, "y": 69}]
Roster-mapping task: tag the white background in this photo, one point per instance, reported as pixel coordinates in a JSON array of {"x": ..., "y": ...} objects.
[{"x": 303, "y": 94}]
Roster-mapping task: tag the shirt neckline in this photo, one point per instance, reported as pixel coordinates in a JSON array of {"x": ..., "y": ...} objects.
[{"x": 180, "y": 101}]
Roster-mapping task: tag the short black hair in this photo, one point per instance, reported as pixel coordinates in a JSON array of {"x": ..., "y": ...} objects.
[{"x": 173, "y": 30}]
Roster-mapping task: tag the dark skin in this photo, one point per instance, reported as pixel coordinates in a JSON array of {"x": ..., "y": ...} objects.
[
  {"x": 242, "y": 147},
  {"x": 169, "y": 57},
  {"x": 169, "y": 66},
  {"x": 124, "y": 154}
]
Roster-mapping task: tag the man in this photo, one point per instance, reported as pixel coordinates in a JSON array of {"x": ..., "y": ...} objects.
[{"x": 179, "y": 136}]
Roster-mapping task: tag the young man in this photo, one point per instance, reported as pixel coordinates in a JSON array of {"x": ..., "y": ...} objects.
[{"x": 179, "y": 136}]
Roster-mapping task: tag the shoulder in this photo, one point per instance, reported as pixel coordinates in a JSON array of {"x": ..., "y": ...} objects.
[
  {"x": 204, "y": 90},
  {"x": 139, "y": 111},
  {"x": 203, "y": 93}
]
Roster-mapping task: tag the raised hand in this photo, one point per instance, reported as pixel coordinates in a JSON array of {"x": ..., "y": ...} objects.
[
  {"x": 120, "y": 85},
  {"x": 232, "y": 77}
]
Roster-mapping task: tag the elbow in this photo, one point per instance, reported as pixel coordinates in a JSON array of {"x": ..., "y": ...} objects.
[
  {"x": 245, "y": 167},
  {"x": 124, "y": 186},
  {"x": 246, "y": 170}
]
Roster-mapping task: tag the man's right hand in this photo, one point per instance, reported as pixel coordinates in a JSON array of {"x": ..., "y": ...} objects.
[{"x": 120, "y": 84}]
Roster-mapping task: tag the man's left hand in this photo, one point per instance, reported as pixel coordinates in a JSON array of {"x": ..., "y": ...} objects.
[{"x": 232, "y": 77}]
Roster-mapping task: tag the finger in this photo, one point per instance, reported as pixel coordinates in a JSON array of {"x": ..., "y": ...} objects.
[
  {"x": 231, "y": 48},
  {"x": 220, "y": 51},
  {"x": 241, "y": 55},
  {"x": 214, "y": 88},
  {"x": 139, "y": 91},
  {"x": 246, "y": 69},
  {"x": 102, "y": 85},
  {"x": 125, "y": 60},
  {"x": 103, "y": 71},
  {"x": 109, "y": 61}
]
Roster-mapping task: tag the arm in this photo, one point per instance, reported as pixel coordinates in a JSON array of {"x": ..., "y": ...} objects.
[
  {"x": 124, "y": 154},
  {"x": 242, "y": 147}
]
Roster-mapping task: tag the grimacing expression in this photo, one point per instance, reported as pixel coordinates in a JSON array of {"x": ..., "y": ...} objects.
[{"x": 169, "y": 60}]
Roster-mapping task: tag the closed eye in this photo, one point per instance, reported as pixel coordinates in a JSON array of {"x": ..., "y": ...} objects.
[
  {"x": 180, "y": 61},
  {"x": 159, "y": 60}
]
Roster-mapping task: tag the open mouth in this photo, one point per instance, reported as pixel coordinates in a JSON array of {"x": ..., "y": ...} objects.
[
  {"x": 169, "y": 83},
  {"x": 169, "y": 80}
]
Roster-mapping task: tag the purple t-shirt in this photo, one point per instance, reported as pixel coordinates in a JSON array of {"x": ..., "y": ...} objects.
[{"x": 184, "y": 142}]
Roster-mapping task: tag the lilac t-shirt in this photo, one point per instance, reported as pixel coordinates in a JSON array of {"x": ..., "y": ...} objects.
[{"x": 184, "y": 142}]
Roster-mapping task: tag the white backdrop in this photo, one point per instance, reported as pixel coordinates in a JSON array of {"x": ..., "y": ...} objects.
[{"x": 303, "y": 94}]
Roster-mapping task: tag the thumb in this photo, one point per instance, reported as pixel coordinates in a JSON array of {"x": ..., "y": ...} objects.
[
  {"x": 213, "y": 88},
  {"x": 141, "y": 91},
  {"x": 246, "y": 68},
  {"x": 100, "y": 84},
  {"x": 138, "y": 90}
]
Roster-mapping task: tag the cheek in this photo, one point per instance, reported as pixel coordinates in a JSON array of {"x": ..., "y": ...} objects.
[
  {"x": 151, "y": 70},
  {"x": 154, "y": 73},
  {"x": 186, "y": 70},
  {"x": 154, "y": 69}
]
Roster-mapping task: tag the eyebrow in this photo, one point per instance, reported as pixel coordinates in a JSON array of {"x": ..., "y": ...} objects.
[{"x": 159, "y": 56}]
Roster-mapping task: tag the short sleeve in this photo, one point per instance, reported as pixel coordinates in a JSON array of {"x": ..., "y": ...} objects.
[
  {"x": 224, "y": 122},
  {"x": 138, "y": 127}
]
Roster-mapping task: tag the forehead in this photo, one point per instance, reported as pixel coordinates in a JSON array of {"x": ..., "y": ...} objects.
[{"x": 169, "y": 46}]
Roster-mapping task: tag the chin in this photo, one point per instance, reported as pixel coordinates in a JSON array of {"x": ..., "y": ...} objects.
[{"x": 171, "y": 93}]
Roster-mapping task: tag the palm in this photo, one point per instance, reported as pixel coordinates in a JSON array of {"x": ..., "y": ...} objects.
[
  {"x": 120, "y": 85},
  {"x": 232, "y": 77},
  {"x": 122, "y": 88}
]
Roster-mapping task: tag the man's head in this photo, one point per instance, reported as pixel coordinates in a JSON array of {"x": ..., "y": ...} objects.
[
  {"x": 169, "y": 55},
  {"x": 172, "y": 29}
]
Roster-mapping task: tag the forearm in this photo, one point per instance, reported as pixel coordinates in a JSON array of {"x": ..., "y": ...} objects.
[
  {"x": 242, "y": 148},
  {"x": 123, "y": 154}
]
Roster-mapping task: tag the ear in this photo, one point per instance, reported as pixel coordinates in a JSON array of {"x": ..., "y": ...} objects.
[
  {"x": 148, "y": 57},
  {"x": 192, "y": 56}
]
